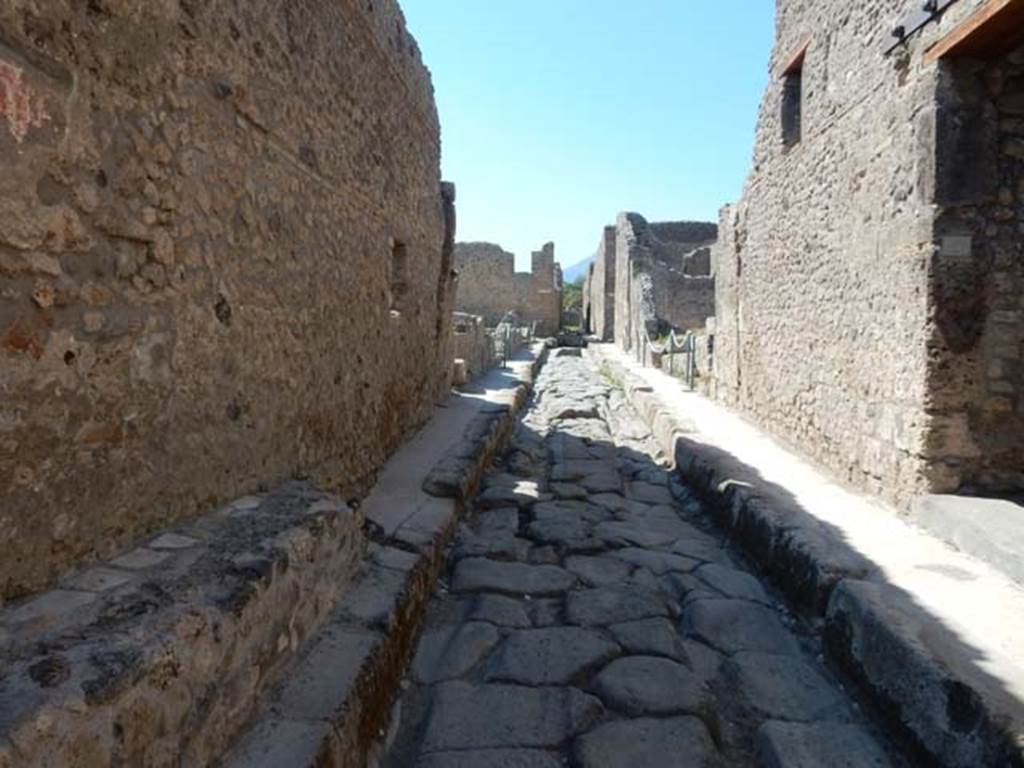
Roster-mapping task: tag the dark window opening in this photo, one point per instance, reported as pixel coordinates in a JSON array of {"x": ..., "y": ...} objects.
[
  {"x": 399, "y": 278},
  {"x": 792, "y": 98}
]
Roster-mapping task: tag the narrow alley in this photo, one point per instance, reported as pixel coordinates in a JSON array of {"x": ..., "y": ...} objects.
[{"x": 591, "y": 616}]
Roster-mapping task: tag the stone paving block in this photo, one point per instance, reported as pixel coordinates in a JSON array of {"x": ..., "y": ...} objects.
[
  {"x": 544, "y": 555},
  {"x": 651, "y": 685},
  {"x": 564, "y": 532},
  {"x": 649, "y": 637},
  {"x": 705, "y": 662},
  {"x": 545, "y": 612},
  {"x": 466, "y": 717},
  {"x": 499, "y": 521},
  {"x": 499, "y": 610},
  {"x": 625, "y": 534},
  {"x": 647, "y": 743},
  {"x": 784, "y": 688},
  {"x": 576, "y": 469},
  {"x": 491, "y": 758},
  {"x": 602, "y": 482},
  {"x": 737, "y": 625},
  {"x": 732, "y": 583},
  {"x": 569, "y": 491},
  {"x": 503, "y": 546},
  {"x": 814, "y": 745},
  {"x": 658, "y": 563},
  {"x": 552, "y": 656},
  {"x": 481, "y": 575},
  {"x": 173, "y": 541},
  {"x": 704, "y": 549},
  {"x": 140, "y": 558},
  {"x": 570, "y": 510},
  {"x": 598, "y": 571},
  {"x": 99, "y": 579},
  {"x": 613, "y": 605},
  {"x": 613, "y": 502},
  {"x": 649, "y": 493},
  {"x": 450, "y": 652},
  {"x": 47, "y": 609},
  {"x": 521, "y": 495}
]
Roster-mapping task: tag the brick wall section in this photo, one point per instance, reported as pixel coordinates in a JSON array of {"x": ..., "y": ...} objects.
[
  {"x": 200, "y": 206},
  {"x": 835, "y": 276},
  {"x": 489, "y": 286}
]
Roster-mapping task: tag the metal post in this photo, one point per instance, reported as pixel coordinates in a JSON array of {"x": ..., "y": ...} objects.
[{"x": 691, "y": 350}]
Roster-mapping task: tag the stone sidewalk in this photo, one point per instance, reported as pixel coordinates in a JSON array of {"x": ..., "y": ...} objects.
[
  {"x": 593, "y": 616},
  {"x": 931, "y": 633},
  {"x": 285, "y": 618}
]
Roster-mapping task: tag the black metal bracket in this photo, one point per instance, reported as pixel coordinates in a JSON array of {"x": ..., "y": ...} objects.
[{"x": 930, "y": 11}]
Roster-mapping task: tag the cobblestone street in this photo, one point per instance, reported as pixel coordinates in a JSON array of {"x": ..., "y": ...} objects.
[{"x": 591, "y": 616}]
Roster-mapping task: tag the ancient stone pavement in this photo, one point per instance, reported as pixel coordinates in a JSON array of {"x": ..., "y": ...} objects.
[{"x": 591, "y": 618}]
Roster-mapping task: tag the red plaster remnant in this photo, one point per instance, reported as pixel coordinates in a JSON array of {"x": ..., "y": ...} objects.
[
  {"x": 17, "y": 104},
  {"x": 22, "y": 339}
]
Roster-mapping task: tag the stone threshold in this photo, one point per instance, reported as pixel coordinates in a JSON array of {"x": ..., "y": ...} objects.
[
  {"x": 170, "y": 652},
  {"x": 334, "y": 704},
  {"x": 932, "y": 638}
]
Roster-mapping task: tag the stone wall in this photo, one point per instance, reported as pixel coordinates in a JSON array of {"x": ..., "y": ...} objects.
[
  {"x": 587, "y": 324},
  {"x": 851, "y": 320},
  {"x": 655, "y": 289},
  {"x": 474, "y": 345},
  {"x": 976, "y": 350},
  {"x": 489, "y": 286},
  {"x": 223, "y": 223},
  {"x": 602, "y": 288}
]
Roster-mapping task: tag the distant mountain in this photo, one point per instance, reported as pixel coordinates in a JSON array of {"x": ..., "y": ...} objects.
[{"x": 577, "y": 271}]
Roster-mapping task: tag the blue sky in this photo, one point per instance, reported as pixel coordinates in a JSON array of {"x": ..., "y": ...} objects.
[{"x": 558, "y": 114}]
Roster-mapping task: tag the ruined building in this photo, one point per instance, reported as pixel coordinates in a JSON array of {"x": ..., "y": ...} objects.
[
  {"x": 489, "y": 286},
  {"x": 194, "y": 199},
  {"x": 650, "y": 278},
  {"x": 870, "y": 281}
]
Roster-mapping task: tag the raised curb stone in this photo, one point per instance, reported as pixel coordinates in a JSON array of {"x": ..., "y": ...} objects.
[
  {"x": 798, "y": 745},
  {"x": 784, "y": 688}
]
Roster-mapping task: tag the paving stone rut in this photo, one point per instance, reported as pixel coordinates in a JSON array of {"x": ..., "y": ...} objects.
[{"x": 593, "y": 617}]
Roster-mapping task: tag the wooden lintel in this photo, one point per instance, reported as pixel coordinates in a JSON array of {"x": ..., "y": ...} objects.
[
  {"x": 796, "y": 59},
  {"x": 992, "y": 29}
]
